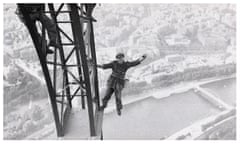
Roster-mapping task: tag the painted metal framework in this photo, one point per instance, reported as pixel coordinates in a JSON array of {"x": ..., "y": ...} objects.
[{"x": 69, "y": 72}]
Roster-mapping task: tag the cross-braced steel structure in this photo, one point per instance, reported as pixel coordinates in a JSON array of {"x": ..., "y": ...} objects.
[{"x": 69, "y": 72}]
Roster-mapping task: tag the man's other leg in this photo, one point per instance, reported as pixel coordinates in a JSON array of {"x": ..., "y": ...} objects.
[
  {"x": 118, "y": 95},
  {"x": 51, "y": 30},
  {"x": 107, "y": 96}
]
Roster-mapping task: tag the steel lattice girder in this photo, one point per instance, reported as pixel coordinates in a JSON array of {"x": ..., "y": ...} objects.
[{"x": 85, "y": 78}]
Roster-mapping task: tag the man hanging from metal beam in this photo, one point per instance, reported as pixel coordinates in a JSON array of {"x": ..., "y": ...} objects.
[
  {"x": 36, "y": 14},
  {"x": 89, "y": 9},
  {"x": 116, "y": 81}
]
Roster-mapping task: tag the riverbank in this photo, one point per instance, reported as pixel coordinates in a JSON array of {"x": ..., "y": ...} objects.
[{"x": 163, "y": 92}]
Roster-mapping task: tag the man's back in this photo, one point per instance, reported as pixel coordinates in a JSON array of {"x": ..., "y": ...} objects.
[{"x": 119, "y": 69}]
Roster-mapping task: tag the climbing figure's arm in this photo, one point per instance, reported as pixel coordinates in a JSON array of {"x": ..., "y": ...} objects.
[
  {"x": 137, "y": 62},
  {"x": 105, "y": 66}
]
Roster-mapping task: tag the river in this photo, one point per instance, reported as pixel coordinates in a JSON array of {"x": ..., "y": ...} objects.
[{"x": 153, "y": 118}]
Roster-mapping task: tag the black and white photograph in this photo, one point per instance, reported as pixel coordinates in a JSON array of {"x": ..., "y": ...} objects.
[{"x": 119, "y": 71}]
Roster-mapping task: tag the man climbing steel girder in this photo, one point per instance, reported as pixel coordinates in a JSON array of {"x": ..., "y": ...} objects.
[
  {"x": 116, "y": 81},
  {"x": 36, "y": 14}
]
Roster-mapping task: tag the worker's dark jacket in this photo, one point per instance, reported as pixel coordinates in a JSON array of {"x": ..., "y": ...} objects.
[
  {"x": 35, "y": 14},
  {"x": 32, "y": 7},
  {"x": 118, "y": 72}
]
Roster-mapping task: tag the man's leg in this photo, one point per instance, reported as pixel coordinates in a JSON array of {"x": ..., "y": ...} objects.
[
  {"x": 51, "y": 30},
  {"x": 107, "y": 97},
  {"x": 118, "y": 95},
  {"x": 43, "y": 42}
]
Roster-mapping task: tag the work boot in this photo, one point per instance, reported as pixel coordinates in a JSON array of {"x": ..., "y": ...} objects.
[
  {"x": 53, "y": 44},
  {"x": 119, "y": 112},
  {"x": 49, "y": 51}
]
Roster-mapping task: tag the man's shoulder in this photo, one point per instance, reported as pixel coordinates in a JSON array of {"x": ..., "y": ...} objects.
[{"x": 113, "y": 62}]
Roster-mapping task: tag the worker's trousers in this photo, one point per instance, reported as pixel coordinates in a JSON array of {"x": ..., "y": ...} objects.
[
  {"x": 48, "y": 24},
  {"x": 118, "y": 93}
]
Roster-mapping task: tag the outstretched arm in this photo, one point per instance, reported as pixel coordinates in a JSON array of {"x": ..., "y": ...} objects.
[
  {"x": 99, "y": 66},
  {"x": 105, "y": 66},
  {"x": 138, "y": 61}
]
